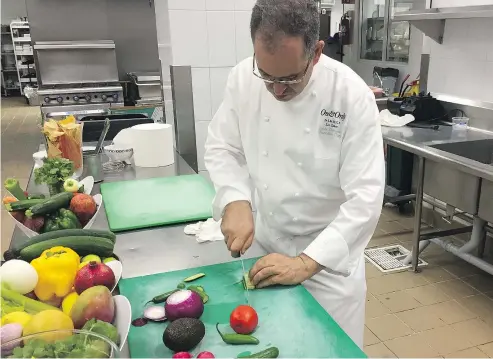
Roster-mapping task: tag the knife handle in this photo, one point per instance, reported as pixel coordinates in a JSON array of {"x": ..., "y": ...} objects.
[{"x": 235, "y": 254}]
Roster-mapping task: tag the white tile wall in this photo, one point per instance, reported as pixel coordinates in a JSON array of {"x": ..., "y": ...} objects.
[
  {"x": 244, "y": 46},
  {"x": 189, "y": 43},
  {"x": 162, "y": 21},
  {"x": 201, "y": 88},
  {"x": 463, "y": 65},
  {"x": 186, "y": 4},
  {"x": 219, "y": 4},
  {"x": 219, "y": 78},
  {"x": 221, "y": 35},
  {"x": 244, "y": 4},
  {"x": 200, "y": 137}
]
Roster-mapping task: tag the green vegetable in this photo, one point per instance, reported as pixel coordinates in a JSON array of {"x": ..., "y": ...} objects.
[
  {"x": 51, "y": 204},
  {"x": 23, "y": 204},
  {"x": 36, "y": 196},
  {"x": 236, "y": 339},
  {"x": 63, "y": 219},
  {"x": 102, "y": 247},
  {"x": 247, "y": 283},
  {"x": 161, "y": 298},
  {"x": 81, "y": 189},
  {"x": 194, "y": 277},
  {"x": 18, "y": 300},
  {"x": 200, "y": 291},
  {"x": 271, "y": 352},
  {"x": 53, "y": 173},
  {"x": 74, "y": 346},
  {"x": 12, "y": 185},
  {"x": 77, "y": 233},
  {"x": 106, "y": 329},
  {"x": 181, "y": 285}
]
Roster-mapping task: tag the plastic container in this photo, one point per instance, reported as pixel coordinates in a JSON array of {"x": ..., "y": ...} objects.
[{"x": 460, "y": 123}]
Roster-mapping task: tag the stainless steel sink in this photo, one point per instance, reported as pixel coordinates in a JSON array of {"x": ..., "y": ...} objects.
[
  {"x": 481, "y": 150},
  {"x": 460, "y": 189}
]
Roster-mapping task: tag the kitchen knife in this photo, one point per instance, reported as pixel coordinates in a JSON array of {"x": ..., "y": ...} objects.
[{"x": 238, "y": 255}]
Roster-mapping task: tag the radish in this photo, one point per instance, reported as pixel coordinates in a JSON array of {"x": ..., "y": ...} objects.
[
  {"x": 205, "y": 355},
  {"x": 185, "y": 355},
  {"x": 184, "y": 304}
]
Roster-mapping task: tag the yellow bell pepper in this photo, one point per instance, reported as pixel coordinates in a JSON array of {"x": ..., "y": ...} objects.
[{"x": 56, "y": 268}]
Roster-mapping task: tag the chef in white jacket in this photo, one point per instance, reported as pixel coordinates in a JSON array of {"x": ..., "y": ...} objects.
[{"x": 300, "y": 129}]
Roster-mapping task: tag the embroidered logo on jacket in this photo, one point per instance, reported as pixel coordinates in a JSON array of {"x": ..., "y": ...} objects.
[{"x": 332, "y": 121}]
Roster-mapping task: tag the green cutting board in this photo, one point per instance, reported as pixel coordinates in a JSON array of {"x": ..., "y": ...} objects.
[
  {"x": 157, "y": 201},
  {"x": 289, "y": 317}
]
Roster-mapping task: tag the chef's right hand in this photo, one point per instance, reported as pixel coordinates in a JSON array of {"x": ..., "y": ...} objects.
[{"x": 237, "y": 226}]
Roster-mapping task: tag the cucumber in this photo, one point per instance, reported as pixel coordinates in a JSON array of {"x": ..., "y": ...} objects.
[
  {"x": 194, "y": 277},
  {"x": 23, "y": 205},
  {"x": 82, "y": 245},
  {"x": 51, "y": 204},
  {"x": 271, "y": 352},
  {"x": 16, "y": 249}
]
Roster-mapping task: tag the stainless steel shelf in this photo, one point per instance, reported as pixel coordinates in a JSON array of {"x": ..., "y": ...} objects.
[{"x": 432, "y": 21}]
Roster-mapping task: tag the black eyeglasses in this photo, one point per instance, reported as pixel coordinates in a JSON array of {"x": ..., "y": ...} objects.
[{"x": 299, "y": 78}]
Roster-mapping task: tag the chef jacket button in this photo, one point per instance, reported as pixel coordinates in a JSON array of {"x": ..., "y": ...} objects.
[
  {"x": 300, "y": 164},
  {"x": 266, "y": 186},
  {"x": 307, "y": 130},
  {"x": 297, "y": 194},
  {"x": 266, "y": 119},
  {"x": 295, "y": 219},
  {"x": 265, "y": 153},
  {"x": 314, "y": 93},
  {"x": 271, "y": 214}
]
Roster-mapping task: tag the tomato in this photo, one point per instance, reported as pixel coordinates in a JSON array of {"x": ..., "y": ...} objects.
[{"x": 243, "y": 319}]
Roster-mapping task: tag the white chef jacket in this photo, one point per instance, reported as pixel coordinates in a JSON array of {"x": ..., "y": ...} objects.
[{"x": 316, "y": 162}]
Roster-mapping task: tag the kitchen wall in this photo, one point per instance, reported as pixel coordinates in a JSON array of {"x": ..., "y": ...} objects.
[
  {"x": 463, "y": 65},
  {"x": 12, "y": 9},
  {"x": 211, "y": 36}
]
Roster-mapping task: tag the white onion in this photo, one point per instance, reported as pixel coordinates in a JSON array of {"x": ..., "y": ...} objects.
[{"x": 19, "y": 276}]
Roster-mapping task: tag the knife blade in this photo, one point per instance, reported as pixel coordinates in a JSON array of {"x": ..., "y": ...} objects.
[{"x": 238, "y": 255}]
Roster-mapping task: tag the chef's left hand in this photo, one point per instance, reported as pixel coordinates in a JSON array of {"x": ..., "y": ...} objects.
[{"x": 280, "y": 269}]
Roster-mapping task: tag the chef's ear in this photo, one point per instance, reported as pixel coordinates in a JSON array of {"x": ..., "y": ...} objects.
[{"x": 318, "y": 51}]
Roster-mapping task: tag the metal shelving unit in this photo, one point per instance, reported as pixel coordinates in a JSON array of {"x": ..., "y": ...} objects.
[
  {"x": 432, "y": 21},
  {"x": 23, "y": 51},
  {"x": 8, "y": 69}
]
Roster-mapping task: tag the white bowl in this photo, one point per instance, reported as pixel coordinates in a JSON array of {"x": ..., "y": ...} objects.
[
  {"x": 119, "y": 153},
  {"x": 30, "y": 233}
]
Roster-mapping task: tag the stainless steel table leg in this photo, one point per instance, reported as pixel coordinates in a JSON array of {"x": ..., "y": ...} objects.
[{"x": 418, "y": 211}]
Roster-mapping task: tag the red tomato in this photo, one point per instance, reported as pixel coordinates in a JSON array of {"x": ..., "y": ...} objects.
[{"x": 243, "y": 319}]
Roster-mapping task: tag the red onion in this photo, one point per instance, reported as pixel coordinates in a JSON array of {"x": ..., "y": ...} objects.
[{"x": 184, "y": 304}]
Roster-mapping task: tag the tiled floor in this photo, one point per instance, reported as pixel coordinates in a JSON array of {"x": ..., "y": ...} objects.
[
  {"x": 21, "y": 137},
  {"x": 445, "y": 311}
]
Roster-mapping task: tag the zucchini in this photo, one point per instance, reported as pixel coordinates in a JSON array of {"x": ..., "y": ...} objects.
[
  {"x": 23, "y": 205},
  {"x": 36, "y": 196},
  {"x": 51, "y": 204},
  {"x": 247, "y": 283},
  {"x": 83, "y": 245},
  {"x": 16, "y": 248},
  {"x": 271, "y": 352},
  {"x": 194, "y": 277}
]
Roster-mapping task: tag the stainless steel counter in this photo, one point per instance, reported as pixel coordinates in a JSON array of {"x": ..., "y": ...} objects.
[
  {"x": 159, "y": 249},
  {"x": 418, "y": 141}
]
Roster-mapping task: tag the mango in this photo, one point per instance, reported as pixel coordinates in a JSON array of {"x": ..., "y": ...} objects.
[
  {"x": 95, "y": 302},
  {"x": 49, "y": 320}
]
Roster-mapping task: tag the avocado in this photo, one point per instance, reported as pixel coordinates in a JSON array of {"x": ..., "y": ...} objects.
[{"x": 183, "y": 334}]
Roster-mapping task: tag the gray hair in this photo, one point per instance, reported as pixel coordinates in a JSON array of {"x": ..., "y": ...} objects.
[{"x": 273, "y": 19}]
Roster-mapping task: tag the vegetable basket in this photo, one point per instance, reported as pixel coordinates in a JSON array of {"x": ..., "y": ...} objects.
[
  {"x": 73, "y": 343},
  {"x": 30, "y": 233}
]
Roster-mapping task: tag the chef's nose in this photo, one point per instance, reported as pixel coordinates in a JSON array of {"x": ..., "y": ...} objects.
[{"x": 279, "y": 89}]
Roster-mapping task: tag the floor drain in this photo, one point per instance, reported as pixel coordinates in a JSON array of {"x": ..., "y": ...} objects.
[{"x": 388, "y": 259}]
